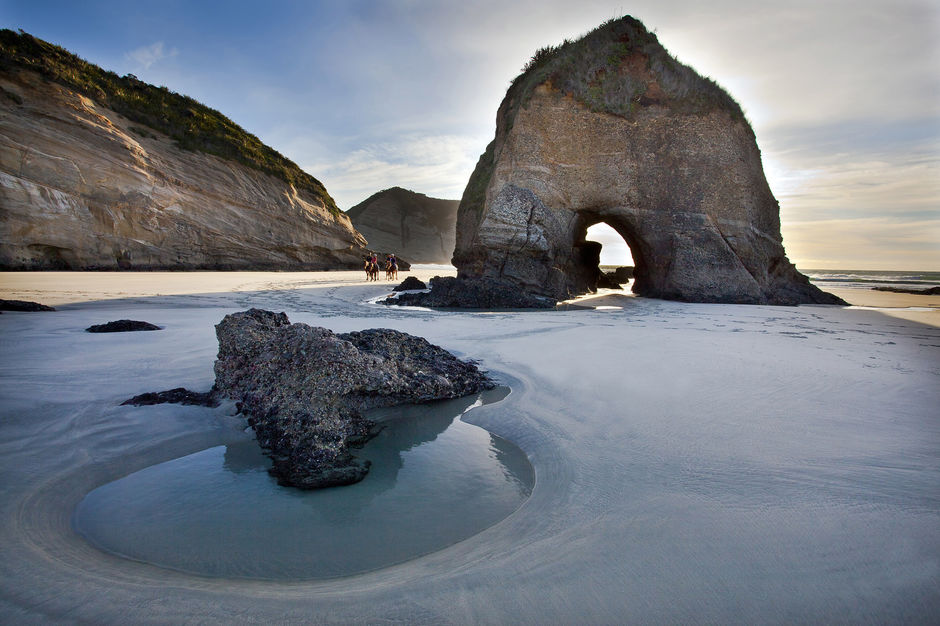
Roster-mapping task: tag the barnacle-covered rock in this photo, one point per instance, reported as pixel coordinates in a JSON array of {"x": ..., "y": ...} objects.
[{"x": 304, "y": 388}]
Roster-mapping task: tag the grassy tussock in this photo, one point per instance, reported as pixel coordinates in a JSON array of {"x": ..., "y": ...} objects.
[{"x": 599, "y": 70}]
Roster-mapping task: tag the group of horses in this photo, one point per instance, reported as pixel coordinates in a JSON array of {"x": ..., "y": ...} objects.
[{"x": 372, "y": 269}]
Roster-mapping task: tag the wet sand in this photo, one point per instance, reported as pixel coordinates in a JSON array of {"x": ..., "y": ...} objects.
[
  {"x": 914, "y": 307},
  {"x": 56, "y": 288},
  {"x": 694, "y": 463}
]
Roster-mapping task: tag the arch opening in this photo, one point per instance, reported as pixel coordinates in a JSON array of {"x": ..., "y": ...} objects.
[{"x": 609, "y": 254}]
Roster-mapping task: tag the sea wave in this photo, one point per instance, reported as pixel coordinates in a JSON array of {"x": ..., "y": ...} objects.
[
  {"x": 870, "y": 278},
  {"x": 432, "y": 266}
]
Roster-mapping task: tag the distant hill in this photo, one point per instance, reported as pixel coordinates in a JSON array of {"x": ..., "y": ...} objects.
[
  {"x": 99, "y": 171},
  {"x": 414, "y": 226}
]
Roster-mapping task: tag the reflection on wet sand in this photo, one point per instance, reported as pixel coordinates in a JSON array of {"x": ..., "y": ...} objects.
[{"x": 435, "y": 480}]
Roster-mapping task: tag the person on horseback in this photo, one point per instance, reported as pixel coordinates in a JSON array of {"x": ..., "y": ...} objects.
[{"x": 372, "y": 267}]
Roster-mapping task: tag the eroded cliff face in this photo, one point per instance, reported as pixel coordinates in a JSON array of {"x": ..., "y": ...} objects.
[
  {"x": 410, "y": 224},
  {"x": 81, "y": 187},
  {"x": 678, "y": 176}
]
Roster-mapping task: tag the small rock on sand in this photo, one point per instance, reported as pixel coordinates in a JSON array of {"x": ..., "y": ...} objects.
[
  {"x": 121, "y": 326},
  {"x": 23, "y": 305}
]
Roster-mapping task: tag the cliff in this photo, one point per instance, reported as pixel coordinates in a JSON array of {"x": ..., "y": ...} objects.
[
  {"x": 611, "y": 128},
  {"x": 411, "y": 224},
  {"x": 83, "y": 186}
]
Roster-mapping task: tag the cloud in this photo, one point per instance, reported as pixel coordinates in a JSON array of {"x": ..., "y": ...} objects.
[
  {"x": 146, "y": 56},
  {"x": 614, "y": 250},
  {"x": 365, "y": 95},
  {"x": 438, "y": 166},
  {"x": 802, "y": 62},
  {"x": 864, "y": 243}
]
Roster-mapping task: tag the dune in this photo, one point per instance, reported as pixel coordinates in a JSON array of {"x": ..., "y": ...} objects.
[{"x": 694, "y": 463}]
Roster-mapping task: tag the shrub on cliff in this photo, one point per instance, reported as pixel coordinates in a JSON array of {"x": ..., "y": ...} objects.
[{"x": 613, "y": 68}]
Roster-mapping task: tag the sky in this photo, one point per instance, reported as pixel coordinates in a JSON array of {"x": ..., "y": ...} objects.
[{"x": 844, "y": 96}]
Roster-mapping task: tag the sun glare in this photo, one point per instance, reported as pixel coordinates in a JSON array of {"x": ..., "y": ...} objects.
[{"x": 615, "y": 250}]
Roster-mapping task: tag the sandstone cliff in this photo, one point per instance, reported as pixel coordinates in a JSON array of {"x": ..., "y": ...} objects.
[
  {"x": 612, "y": 129},
  {"x": 416, "y": 227},
  {"x": 84, "y": 187}
]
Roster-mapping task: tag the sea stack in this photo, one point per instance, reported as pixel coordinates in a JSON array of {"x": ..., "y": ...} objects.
[
  {"x": 99, "y": 171},
  {"x": 611, "y": 128}
]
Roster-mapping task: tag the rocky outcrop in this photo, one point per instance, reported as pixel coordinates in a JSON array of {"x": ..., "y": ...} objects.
[
  {"x": 411, "y": 283},
  {"x": 304, "y": 388},
  {"x": 612, "y": 129},
  {"x": 83, "y": 187},
  {"x": 122, "y": 326},
  {"x": 926, "y": 291},
  {"x": 179, "y": 395},
  {"x": 620, "y": 275},
  {"x": 410, "y": 224},
  {"x": 23, "y": 305},
  {"x": 448, "y": 292}
]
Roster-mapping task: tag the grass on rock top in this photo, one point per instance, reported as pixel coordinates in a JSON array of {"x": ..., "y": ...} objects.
[
  {"x": 192, "y": 125},
  {"x": 608, "y": 70}
]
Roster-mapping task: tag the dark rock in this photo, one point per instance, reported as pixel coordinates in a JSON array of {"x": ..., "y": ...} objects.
[
  {"x": 622, "y": 275},
  {"x": 474, "y": 293},
  {"x": 614, "y": 279},
  {"x": 411, "y": 283},
  {"x": 174, "y": 396},
  {"x": 929, "y": 291},
  {"x": 610, "y": 128},
  {"x": 121, "y": 326},
  {"x": 23, "y": 305},
  {"x": 607, "y": 280},
  {"x": 304, "y": 388}
]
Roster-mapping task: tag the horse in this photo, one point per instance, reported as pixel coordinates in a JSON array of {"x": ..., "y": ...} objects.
[
  {"x": 372, "y": 270},
  {"x": 391, "y": 268}
]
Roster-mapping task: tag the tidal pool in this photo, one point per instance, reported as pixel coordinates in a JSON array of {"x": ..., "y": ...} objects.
[{"x": 435, "y": 480}]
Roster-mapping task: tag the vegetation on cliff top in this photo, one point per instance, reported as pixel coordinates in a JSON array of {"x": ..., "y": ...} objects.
[
  {"x": 193, "y": 126},
  {"x": 618, "y": 67}
]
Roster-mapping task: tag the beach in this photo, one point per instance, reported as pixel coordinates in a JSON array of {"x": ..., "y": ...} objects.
[{"x": 694, "y": 463}]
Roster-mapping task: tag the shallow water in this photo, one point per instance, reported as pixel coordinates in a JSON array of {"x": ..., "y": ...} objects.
[{"x": 435, "y": 480}]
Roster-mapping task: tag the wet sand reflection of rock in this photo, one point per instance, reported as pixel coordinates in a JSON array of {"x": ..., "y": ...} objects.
[{"x": 436, "y": 480}]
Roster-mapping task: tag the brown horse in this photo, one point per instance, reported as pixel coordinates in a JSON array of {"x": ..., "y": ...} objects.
[
  {"x": 372, "y": 269},
  {"x": 391, "y": 268}
]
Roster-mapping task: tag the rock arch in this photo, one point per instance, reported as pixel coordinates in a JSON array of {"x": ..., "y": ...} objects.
[
  {"x": 590, "y": 251},
  {"x": 630, "y": 137}
]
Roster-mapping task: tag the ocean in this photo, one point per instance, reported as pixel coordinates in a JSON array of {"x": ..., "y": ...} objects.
[{"x": 867, "y": 279}]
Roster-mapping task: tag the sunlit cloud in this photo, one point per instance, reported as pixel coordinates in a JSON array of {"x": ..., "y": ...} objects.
[
  {"x": 438, "y": 166},
  {"x": 864, "y": 243},
  {"x": 614, "y": 250}
]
